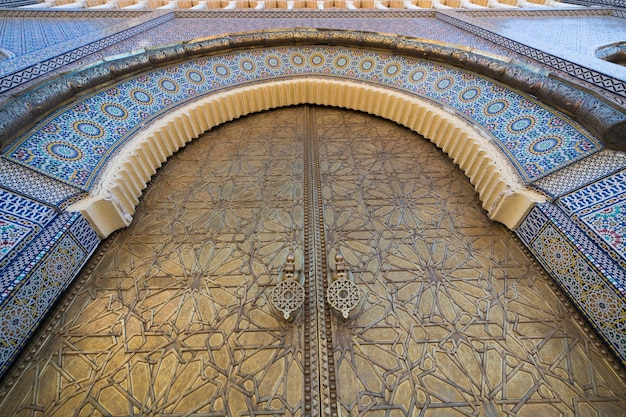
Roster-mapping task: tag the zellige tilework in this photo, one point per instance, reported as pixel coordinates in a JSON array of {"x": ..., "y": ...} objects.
[
  {"x": 74, "y": 143},
  {"x": 31, "y": 288}
]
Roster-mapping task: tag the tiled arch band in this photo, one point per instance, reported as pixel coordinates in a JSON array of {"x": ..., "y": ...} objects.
[{"x": 74, "y": 143}]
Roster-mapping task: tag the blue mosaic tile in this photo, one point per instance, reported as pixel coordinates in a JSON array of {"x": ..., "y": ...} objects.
[
  {"x": 30, "y": 210},
  {"x": 26, "y": 182},
  {"x": 532, "y": 224},
  {"x": 31, "y": 66},
  {"x": 604, "y": 189},
  {"x": 580, "y": 174},
  {"x": 48, "y": 274},
  {"x": 23, "y": 35},
  {"x": 610, "y": 84},
  {"x": 74, "y": 143},
  {"x": 21, "y": 220},
  {"x": 24, "y": 258},
  {"x": 611, "y": 267},
  {"x": 598, "y": 299},
  {"x": 84, "y": 234}
]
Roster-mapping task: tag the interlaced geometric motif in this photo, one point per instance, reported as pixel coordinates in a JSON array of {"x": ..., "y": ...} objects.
[
  {"x": 611, "y": 84},
  {"x": 604, "y": 306},
  {"x": 582, "y": 174},
  {"x": 29, "y": 291},
  {"x": 74, "y": 143},
  {"x": 418, "y": 247},
  {"x": 175, "y": 317},
  {"x": 21, "y": 219},
  {"x": 589, "y": 246},
  {"x": 28, "y": 67}
]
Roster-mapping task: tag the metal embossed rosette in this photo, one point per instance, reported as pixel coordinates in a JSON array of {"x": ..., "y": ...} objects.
[{"x": 287, "y": 297}]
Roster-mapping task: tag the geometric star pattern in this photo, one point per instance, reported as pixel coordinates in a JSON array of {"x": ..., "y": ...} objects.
[
  {"x": 75, "y": 142},
  {"x": 174, "y": 317}
]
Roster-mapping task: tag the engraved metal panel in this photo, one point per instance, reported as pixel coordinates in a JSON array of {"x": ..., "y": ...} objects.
[{"x": 174, "y": 316}]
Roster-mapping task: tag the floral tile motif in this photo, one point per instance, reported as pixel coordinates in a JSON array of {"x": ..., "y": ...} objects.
[
  {"x": 599, "y": 208},
  {"x": 608, "y": 221},
  {"x": 598, "y": 299},
  {"x": 74, "y": 143},
  {"x": 11, "y": 233},
  {"x": 37, "y": 284}
]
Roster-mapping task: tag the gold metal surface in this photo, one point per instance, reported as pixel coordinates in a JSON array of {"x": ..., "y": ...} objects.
[{"x": 174, "y": 317}]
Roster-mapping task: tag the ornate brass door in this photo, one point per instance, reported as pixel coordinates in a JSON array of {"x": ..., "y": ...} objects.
[{"x": 175, "y": 317}]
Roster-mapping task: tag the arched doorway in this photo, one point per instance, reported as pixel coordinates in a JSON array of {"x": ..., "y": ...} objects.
[{"x": 175, "y": 317}]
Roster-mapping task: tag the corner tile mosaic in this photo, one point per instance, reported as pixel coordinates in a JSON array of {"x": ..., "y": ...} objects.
[
  {"x": 73, "y": 144},
  {"x": 599, "y": 208},
  {"x": 34, "y": 281},
  {"x": 27, "y": 67},
  {"x": 579, "y": 267},
  {"x": 26, "y": 182},
  {"x": 608, "y": 221},
  {"x": 581, "y": 173},
  {"x": 21, "y": 220},
  {"x": 577, "y": 70}
]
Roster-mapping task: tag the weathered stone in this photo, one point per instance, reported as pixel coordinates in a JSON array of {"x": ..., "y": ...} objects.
[
  {"x": 605, "y": 122},
  {"x": 243, "y": 40},
  {"x": 166, "y": 54},
  {"x": 15, "y": 116},
  {"x": 207, "y": 45},
  {"x": 522, "y": 79},
  {"x": 562, "y": 96},
  {"x": 92, "y": 76},
  {"x": 127, "y": 65},
  {"x": 486, "y": 66},
  {"x": 48, "y": 96}
]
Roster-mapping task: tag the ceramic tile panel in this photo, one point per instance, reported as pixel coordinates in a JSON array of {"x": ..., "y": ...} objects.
[
  {"x": 27, "y": 182},
  {"x": 73, "y": 144},
  {"x": 28, "y": 67},
  {"x": 612, "y": 268},
  {"x": 595, "y": 283},
  {"x": 604, "y": 189},
  {"x": 581, "y": 173},
  {"x": 23, "y": 35},
  {"x": 40, "y": 278},
  {"x": 21, "y": 219},
  {"x": 570, "y": 65}
]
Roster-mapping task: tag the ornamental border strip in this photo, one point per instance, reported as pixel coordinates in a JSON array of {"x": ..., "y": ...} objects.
[
  {"x": 601, "y": 256},
  {"x": 590, "y": 3},
  {"x": 516, "y": 155},
  {"x": 535, "y": 13},
  {"x": 73, "y": 14},
  {"x": 36, "y": 70},
  {"x": 605, "y": 82},
  {"x": 306, "y": 13}
]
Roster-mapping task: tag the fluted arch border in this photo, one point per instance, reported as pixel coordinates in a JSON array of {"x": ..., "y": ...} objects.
[{"x": 112, "y": 201}]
